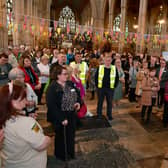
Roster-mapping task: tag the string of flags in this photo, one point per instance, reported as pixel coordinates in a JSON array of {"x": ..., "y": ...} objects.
[{"x": 80, "y": 31}]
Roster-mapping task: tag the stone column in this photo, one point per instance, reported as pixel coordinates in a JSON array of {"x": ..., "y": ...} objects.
[
  {"x": 3, "y": 29},
  {"x": 142, "y": 24},
  {"x": 164, "y": 47},
  {"x": 18, "y": 19},
  {"x": 28, "y": 37},
  {"x": 122, "y": 24},
  {"x": 35, "y": 23},
  {"x": 111, "y": 13},
  {"x": 98, "y": 10},
  {"x": 98, "y": 23}
]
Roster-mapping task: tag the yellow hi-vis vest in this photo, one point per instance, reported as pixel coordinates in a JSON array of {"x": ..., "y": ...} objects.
[
  {"x": 101, "y": 75},
  {"x": 82, "y": 75}
]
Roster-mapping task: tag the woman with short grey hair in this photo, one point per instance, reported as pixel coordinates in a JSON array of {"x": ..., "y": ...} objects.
[{"x": 17, "y": 74}]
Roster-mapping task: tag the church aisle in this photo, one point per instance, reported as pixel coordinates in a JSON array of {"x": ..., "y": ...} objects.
[{"x": 128, "y": 142}]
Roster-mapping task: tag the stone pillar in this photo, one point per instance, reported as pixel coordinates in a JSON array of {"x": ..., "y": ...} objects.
[
  {"x": 3, "y": 29},
  {"x": 142, "y": 24},
  {"x": 28, "y": 12},
  {"x": 98, "y": 11},
  {"x": 18, "y": 36},
  {"x": 34, "y": 21},
  {"x": 122, "y": 24},
  {"x": 111, "y": 13},
  {"x": 98, "y": 23},
  {"x": 44, "y": 12},
  {"x": 164, "y": 46}
]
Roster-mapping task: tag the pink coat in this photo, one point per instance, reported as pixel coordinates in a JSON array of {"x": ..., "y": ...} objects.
[{"x": 79, "y": 85}]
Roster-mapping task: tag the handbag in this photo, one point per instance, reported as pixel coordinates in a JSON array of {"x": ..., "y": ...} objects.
[{"x": 82, "y": 112}]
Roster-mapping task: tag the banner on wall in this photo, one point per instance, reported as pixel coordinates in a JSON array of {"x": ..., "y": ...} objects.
[{"x": 27, "y": 25}]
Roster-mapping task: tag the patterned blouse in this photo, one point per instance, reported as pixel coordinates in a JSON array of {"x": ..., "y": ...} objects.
[{"x": 69, "y": 98}]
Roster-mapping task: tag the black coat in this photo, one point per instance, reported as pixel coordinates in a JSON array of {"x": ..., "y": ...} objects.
[
  {"x": 54, "y": 100},
  {"x": 164, "y": 77}
]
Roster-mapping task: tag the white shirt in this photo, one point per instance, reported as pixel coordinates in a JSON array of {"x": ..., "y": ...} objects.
[
  {"x": 54, "y": 60},
  {"x": 12, "y": 60},
  {"x": 23, "y": 135},
  {"x": 37, "y": 60},
  {"x": 31, "y": 96},
  {"x": 45, "y": 70}
]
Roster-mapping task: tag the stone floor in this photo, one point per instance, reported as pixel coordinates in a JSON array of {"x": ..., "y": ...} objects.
[{"x": 125, "y": 144}]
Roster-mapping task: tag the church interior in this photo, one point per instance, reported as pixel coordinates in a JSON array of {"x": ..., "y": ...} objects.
[{"x": 136, "y": 27}]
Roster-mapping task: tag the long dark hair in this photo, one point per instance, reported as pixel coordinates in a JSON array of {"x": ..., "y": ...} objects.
[
  {"x": 7, "y": 94},
  {"x": 23, "y": 57}
]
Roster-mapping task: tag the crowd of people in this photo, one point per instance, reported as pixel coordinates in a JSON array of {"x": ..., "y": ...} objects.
[{"x": 60, "y": 78}]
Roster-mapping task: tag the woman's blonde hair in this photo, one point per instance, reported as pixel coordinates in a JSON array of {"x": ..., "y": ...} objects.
[
  {"x": 45, "y": 56},
  {"x": 69, "y": 71}
]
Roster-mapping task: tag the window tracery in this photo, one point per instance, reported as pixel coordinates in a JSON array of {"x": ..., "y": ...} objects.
[{"x": 67, "y": 17}]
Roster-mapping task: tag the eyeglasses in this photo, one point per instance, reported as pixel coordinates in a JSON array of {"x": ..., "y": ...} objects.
[{"x": 65, "y": 74}]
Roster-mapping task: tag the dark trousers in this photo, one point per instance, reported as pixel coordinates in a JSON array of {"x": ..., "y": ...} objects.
[
  {"x": 70, "y": 138},
  {"x": 149, "y": 111},
  {"x": 161, "y": 97},
  {"x": 132, "y": 96},
  {"x": 165, "y": 114},
  {"x": 126, "y": 83},
  {"x": 102, "y": 93},
  {"x": 41, "y": 92}
]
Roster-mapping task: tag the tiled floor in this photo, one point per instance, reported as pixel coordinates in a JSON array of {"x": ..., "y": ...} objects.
[{"x": 147, "y": 149}]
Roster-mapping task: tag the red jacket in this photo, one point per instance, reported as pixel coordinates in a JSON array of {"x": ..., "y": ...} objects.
[{"x": 27, "y": 77}]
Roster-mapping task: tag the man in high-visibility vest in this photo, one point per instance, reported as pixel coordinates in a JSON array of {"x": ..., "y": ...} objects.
[
  {"x": 82, "y": 66},
  {"x": 106, "y": 80}
]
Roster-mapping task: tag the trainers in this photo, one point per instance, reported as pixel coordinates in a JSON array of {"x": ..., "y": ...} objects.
[{"x": 89, "y": 114}]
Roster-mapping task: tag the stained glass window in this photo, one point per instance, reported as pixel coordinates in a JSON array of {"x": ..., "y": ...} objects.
[
  {"x": 116, "y": 26},
  {"x": 158, "y": 28},
  {"x": 117, "y": 21},
  {"x": 67, "y": 17},
  {"x": 158, "y": 25},
  {"x": 9, "y": 4},
  {"x": 126, "y": 27}
]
